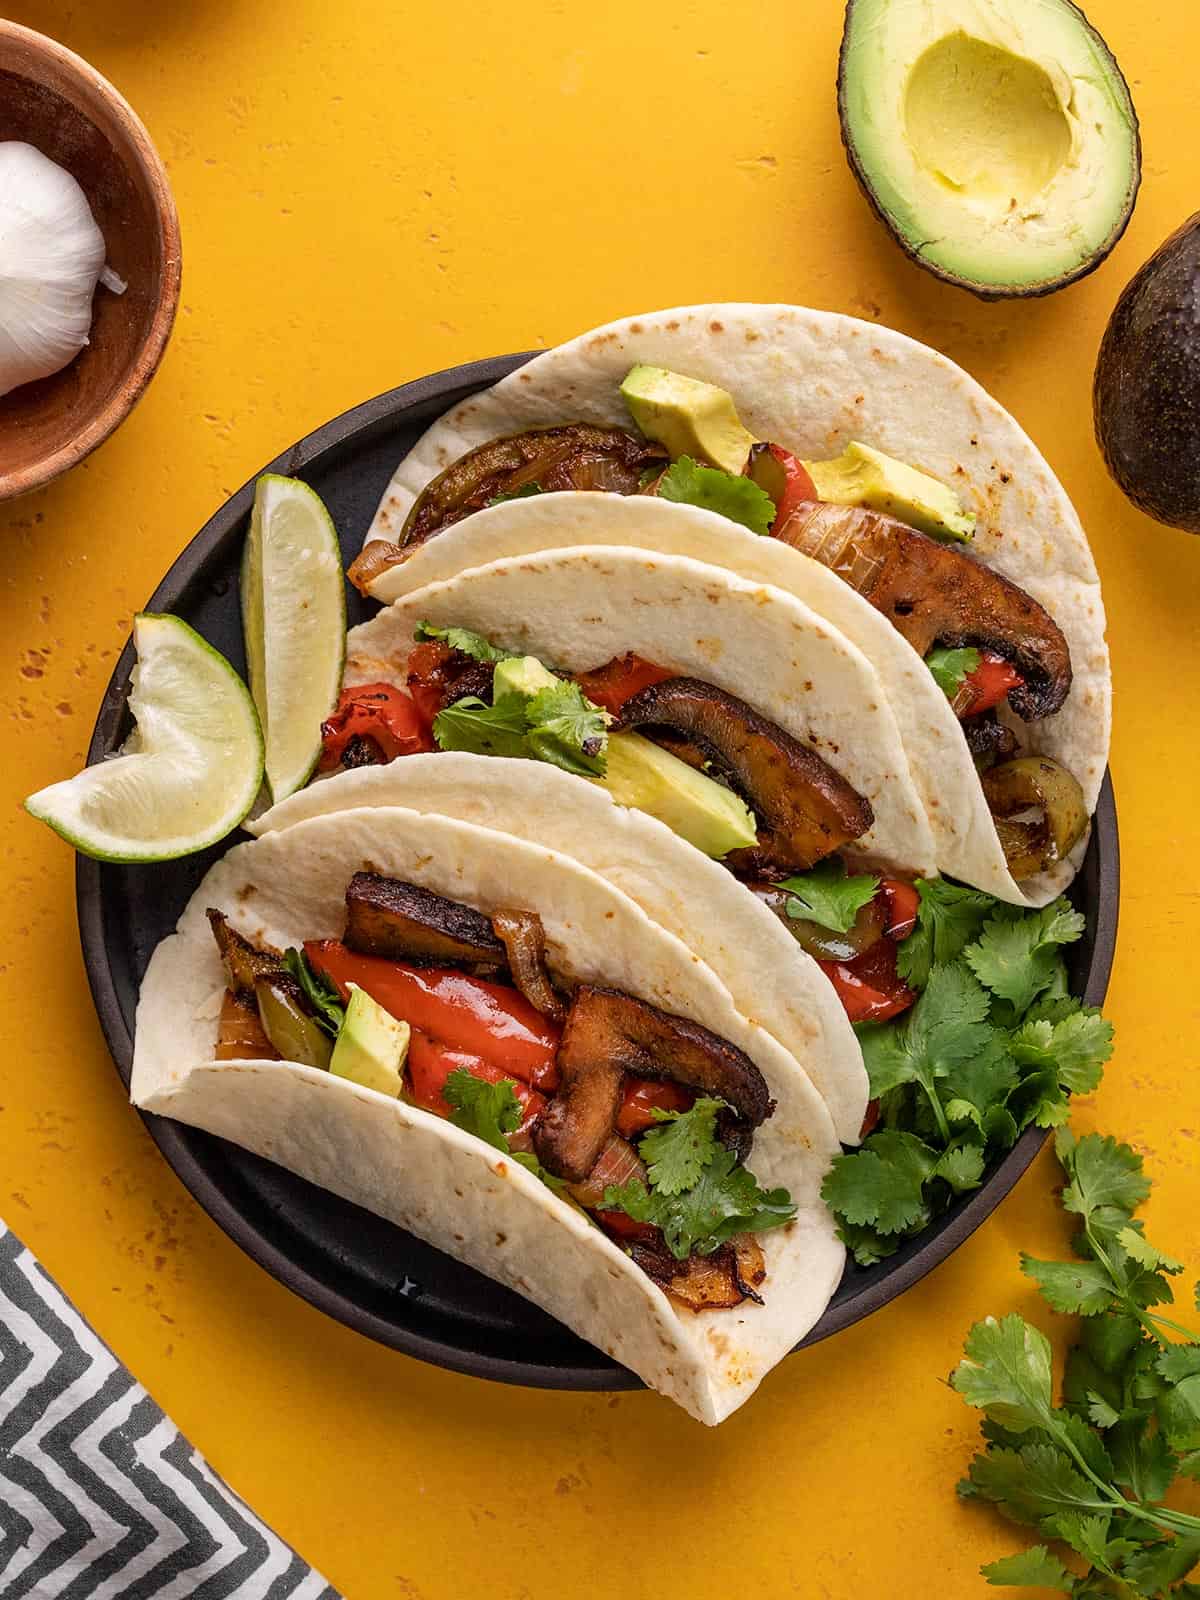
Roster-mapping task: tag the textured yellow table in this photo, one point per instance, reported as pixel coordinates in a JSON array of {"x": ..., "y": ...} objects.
[{"x": 370, "y": 191}]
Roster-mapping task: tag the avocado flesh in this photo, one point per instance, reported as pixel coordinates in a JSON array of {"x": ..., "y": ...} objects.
[
  {"x": 523, "y": 675},
  {"x": 1147, "y": 378},
  {"x": 689, "y": 417},
  {"x": 998, "y": 144},
  {"x": 861, "y": 476},
  {"x": 646, "y": 778},
  {"x": 372, "y": 1046}
]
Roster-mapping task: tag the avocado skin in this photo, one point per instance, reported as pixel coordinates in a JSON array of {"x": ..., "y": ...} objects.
[
  {"x": 1146, "y": 397},
  {"x": 984, "y": 291}
]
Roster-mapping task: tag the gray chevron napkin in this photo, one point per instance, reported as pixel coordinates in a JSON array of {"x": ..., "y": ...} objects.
[{"x": 101, "y": 1496}]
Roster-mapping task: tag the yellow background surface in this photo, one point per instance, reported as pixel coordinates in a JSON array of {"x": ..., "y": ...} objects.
[{"x": 370, "y": 191}]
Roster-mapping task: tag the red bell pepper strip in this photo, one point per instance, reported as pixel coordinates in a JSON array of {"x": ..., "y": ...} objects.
[
  {"x": 430, "y": 1063},
  {"x": 988, "y": 684},
  {"x": 900, "y": 902},
  {"x": 619, "y": 680},
  {"x": 490, "y": 1020},
  {"x": 869, "y": 987},
  {"x": 374, "y": 711},
  {"x": 640, "y": 1098}
]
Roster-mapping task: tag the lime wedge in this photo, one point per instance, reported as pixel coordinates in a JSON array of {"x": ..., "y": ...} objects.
[
  {"x": 294, "y": 617},
  {"x": 188, "y": 773}
]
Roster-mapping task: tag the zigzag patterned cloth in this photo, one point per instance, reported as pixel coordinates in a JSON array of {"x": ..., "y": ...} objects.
[{"x": 101, "y": 1496}]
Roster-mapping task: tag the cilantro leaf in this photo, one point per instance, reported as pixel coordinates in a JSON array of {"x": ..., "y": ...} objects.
[
  {"x": 828, "y": 896},
  {"x": 567, "y": 730},
  {"x": 1102, "y": 1174},
  {"x": 885, "y": 1193},
  {"x": 523, "y": 493},
  {"x": 1075, "y": 1048},
  {"x": 1028, "y": 1484},
  {"x": 1081, "y": 1288},
  {"x": 948, "y": 919},
  {"x": 961, "y": 1167},
  {"x": 1035, "y": 1568},
  {"x": 678, "y": 1149},
  {"x": 1016, "y": 958},
  {"x": 1005, "y": 1372},
  {"x": 1154, "y": 1568},
  {"x": 322, "y": 995},
  {"x": 462, "y": 639},
  {"x": 950, "y": 667},
  {"x": 740, "y": 499},
  {"x": 725, "y": 1200},
  {"x": 488, "y": 1110},
  {"x": 471, "y": 724}
]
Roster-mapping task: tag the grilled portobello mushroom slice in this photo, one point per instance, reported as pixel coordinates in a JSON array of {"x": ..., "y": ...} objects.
[
  {"x": 386, "y": 917},
  {"x": 805, "y": 809},
  {"x": 607, "y": 1034},
  {"x": 244, "y": 962},
  {"x": 933, "y": 593},
  {"x": 714, "y": 1282}
]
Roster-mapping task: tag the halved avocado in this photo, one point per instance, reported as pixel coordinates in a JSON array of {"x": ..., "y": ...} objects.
[
  {"x": 1144, "y": 401},
  {"x": 999, "y": 145}
]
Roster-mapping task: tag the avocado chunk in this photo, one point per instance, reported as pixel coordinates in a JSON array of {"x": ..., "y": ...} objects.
[
  {"x": 372, "y": 1045},
  {"x": 861, "y": 476},
  {"x": 998, "y": 144},
  {"x": 689, "y": 417},
  {"x": 705, "y": 813},
  {"x": 1147, "y": 378},
  {"x": 523, "y": 675}
]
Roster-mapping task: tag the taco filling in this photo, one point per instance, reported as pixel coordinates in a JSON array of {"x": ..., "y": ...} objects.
[
  {"x": 642, "y": 1119},
  {"x": 890, "y": 531},
  {"x": 715, "y": 770}
]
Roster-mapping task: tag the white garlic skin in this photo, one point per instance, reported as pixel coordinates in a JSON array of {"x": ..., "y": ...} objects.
[{"x": 51, "y": 256}]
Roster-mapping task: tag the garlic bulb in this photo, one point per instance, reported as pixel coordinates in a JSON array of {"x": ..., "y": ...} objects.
[{"x": 51, "y": 257}]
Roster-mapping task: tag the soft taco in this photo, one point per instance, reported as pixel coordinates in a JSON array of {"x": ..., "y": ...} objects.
[
  {"x": 903, "y": 503},
  {"x": 483, "y": 1041},
  {"x": 658, "y": 680}
]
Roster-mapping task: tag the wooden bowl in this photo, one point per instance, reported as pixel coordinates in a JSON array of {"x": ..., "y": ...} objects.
[{"x": 52, "y": 99}]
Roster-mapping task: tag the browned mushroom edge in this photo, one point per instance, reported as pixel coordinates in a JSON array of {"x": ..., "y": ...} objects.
[
  {"x": 386, "y": 917},
  {"x": 578, "y": 455},
  {"x": 524, "y": 941},
  {"x": 806, "y": 810},
  {"x": 607, "y": 1034},
  {"x": 934, "y": 593}
]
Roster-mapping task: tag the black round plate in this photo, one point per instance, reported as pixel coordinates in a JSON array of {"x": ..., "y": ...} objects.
[{"x": 356, "y": 1267}]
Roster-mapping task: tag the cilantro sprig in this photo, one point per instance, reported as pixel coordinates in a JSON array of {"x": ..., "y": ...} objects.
[
  {"x": 994, "y": 1044},
  {"x": 951, "y": 668},
  {"x": 558, "y": 724},
  {"x": 828, "y": 895},
  {"x": 491, "y": 1111},
  {"x": 728, "y": 494},
  {"x": 1091, "y": 1474},
  {"x": 699, "y": 1194},
  {"x": 462, "y": 639}
]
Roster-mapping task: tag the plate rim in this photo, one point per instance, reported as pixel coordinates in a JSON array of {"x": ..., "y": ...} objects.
[{"x": 170, "y": 1137}]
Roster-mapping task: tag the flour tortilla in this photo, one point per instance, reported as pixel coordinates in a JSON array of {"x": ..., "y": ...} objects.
[
  {"x": 964, "y": 833},
  {"x": 426, "y": 1176},
  {"x": 774, "y": 983},
  {"x": 811, "y": 381},
  {"x": 578, "y": 608}
]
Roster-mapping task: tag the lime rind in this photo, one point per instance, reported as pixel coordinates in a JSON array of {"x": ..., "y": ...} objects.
[
  {"x": 294, "y": 618},
  {"x": 188, "y": 774}
]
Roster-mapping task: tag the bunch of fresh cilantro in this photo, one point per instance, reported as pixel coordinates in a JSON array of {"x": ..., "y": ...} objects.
[
  {"x": 1092, "y": 1473},
  {"x": 698, "y": 1194},
  {"x": 994, "y": 1044},
  {"x": 558, "y": 724}
]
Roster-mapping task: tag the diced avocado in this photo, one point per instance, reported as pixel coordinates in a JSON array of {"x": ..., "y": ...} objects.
[
  {"x": 861, "y": 476},
  {"x": 689, "y": 417},
  {"x": 372, "y": 1045},
  {"x": 698, "y": 809},
  {"x": 998, "y": 143},
  {"x": 523, "y": 675}
]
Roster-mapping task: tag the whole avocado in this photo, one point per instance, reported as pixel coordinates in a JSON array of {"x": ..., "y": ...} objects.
[{"x": 1146, "y": 397}]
